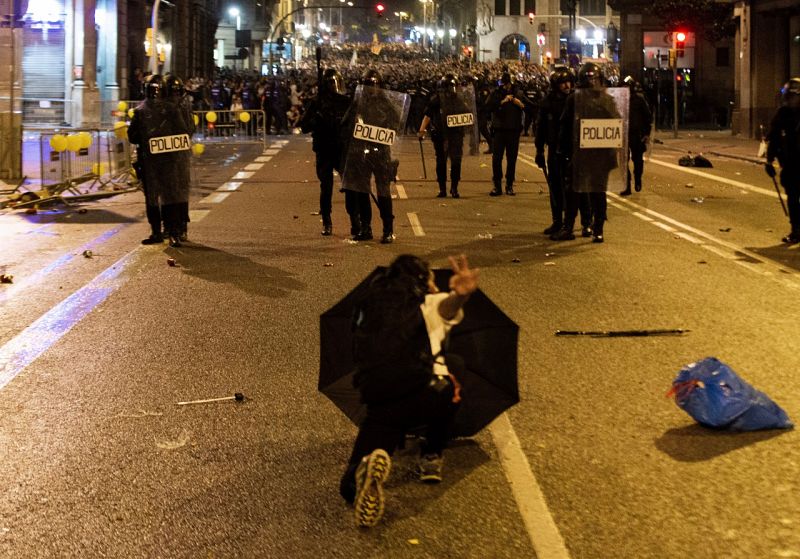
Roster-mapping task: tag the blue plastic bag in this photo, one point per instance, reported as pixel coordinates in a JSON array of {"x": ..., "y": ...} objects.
[{"x": 717, "y": 397}]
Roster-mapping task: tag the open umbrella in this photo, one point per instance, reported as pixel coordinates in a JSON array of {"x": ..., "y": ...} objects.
[{"x": 486, "y": 340}]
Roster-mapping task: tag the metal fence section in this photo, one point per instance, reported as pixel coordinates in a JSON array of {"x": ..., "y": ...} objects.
[
  {"x": 66, "y": 156},
  {"x": 242, "y": 127}
]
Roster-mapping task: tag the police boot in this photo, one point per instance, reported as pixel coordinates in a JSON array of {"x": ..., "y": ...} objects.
[
  {"x": 496, "y": 191},
  {"x": 327, "y": 226},
  {"x": 355, "y": 227},
  {"x": 442, "y": 191},
  {"x": 454, "y": 191},
  {"x": 155, "y": 238},
  {"x": 365, "y": 234},
  {"x": 597, "y": 232},
  {"x": 637, "y": 183}
]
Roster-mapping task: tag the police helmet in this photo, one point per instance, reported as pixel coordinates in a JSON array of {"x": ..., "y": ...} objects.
[
  {"x": 790, "y": 88},
  {"x": 448, "y": 83},
  {"x": 153, "y": 86},
  {"x": 590, "y": 74},
  {"x": 372, "y": 78},
  {"x": 332, "y": 81},
  {"x": 560, "y": 75},
  {"x": 173, "y": 86}
]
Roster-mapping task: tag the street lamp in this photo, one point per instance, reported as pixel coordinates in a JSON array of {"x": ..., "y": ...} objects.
[{"x": 234, "y": 12}]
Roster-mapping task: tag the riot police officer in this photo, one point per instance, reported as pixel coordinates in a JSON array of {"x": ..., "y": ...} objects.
[
  {"x": 638, "y": 134},
  {"x": 506, "y": 107},
  {"x": 160, "y": 129},
  {"x": 562, "y": 81},
  {"x": 323, "y": 118},
  {"x": 784, "y": 145},
  {"x": 447, "y": 137},
  {"x": 175, "y": 93}
]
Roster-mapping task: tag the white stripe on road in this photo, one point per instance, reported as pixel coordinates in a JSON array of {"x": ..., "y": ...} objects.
[
  {"x": 263, "y": 158},
  {"x": 416, "y": 226},
  {"x": 215, "y": 198},
  {"x": 243, "y": 175},
  {"x": 542, "y": 530},
  {"x": 738, "y": 184},
  {"x": 401, "y": 192},
  {"x": 229, "y": 186},
  {"x": 196, "y": 216},
  {"x": 253, "y": 167},
  {"x": 271, "y": 152}
]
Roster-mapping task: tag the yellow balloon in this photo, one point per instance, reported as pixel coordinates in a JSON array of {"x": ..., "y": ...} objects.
[
  {"x": 244, "y": 116},
  {"x": 196, "y": 120},
  {"x": 211, "y": 116},
  {"x": 121, "y": 130},
  {"x": 130, "y": 113},
  {"x": 86, "y": 139},
  {"x": 133, "y": 172},
  {"x": 198, "y": 149},
  {"x": 73, "y": 142},
  {"x": 122, "y": 106},
  {"x": 99, "y": 168},
  {"x": 58, "y": 143}
]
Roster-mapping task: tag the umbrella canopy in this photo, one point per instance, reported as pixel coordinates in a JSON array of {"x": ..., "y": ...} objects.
[{"x": 486, "y": 340}]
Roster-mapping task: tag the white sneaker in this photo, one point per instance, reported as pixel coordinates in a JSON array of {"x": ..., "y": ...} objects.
[{"x": 370, "y": 475}]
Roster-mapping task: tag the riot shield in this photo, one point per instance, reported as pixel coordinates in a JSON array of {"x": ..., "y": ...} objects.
[
  {"x": 459, "y": 116},
  {"x": 600, "y": 139},
  {"x": 373, "y": 124}
]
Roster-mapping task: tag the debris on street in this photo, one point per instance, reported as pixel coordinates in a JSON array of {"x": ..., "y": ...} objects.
[
  {"x": 622, "y": 333},
  {"x": 237, "y": 397},
  {"x": 6, "y": 278}
]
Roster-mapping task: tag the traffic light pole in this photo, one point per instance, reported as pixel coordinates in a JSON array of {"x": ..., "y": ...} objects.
[{"x": 675, "y": 88}]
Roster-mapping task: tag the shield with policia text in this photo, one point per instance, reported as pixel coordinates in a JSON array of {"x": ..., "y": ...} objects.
[
  {"x": 600, "y": 139},
  {"x": 459, "y": 115},
  {"x": 486, "y": 339},
  {"x": 373, "y": 124}
]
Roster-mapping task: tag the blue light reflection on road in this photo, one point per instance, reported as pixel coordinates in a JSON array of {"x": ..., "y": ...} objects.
[{"x": 29, "y": 344}]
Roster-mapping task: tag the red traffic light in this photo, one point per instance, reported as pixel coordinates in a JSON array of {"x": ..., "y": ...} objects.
[
  {"x": 380, "y": 8},
  {"x": 680, "y": 36}
]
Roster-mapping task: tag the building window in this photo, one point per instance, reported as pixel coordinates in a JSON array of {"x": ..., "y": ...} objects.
[
  {"x": 530, "y": 6},
  {"x": 499, "y": 7},
  {"x": 723, "y": 56},
  {"x": 592, "y": 7},
  {"x": 514, "y": 8}
]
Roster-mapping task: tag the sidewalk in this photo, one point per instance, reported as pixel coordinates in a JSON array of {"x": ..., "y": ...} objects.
[{"x": 711, "y": 142}]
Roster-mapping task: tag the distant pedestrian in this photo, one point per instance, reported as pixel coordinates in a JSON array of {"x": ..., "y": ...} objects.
[
  {"x": 404, "y": 380},
  {"x": 507, "y": 109},
  {"x": 639, "y": 125},
  {"x": 784, "y": 145}
]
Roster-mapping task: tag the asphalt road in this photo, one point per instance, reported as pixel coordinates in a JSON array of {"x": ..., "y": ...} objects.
[{"x": 595, "y": 462}]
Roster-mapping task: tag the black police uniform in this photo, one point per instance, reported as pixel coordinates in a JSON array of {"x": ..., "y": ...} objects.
[
  {"x": 447, "y": 142},
  {"x": 638, "y": 129},
  {"x": 784, "y": 145},
  {"x": 506, "y": 129}
]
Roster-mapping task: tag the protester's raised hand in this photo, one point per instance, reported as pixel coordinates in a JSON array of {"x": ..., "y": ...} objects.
[{"x": 464, "y": 280}]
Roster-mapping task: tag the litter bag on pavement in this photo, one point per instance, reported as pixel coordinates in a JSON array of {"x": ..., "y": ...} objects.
[
  {"x": 715, "y": 396},
  {"x": 694, "y": 161}
]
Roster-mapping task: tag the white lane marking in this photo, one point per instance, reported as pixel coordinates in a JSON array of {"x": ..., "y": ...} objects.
[
  {"x": 263, "y": 158},
  {"x": 198, "y": 215},
  {"x": 416, "y": 226},
  {"x": 738, "y": 184},
  {"x": 243, "y": 175},
  {"x": 215, "y": 198},
  {"x": 24, "y": 348},
  {"x": 281, "y": 143},
  {"x": 401, "y": 192},
  {"x": 531, "y": 161},
  {"x": 253, "y": 166},
  {"x": 272, "y": 151},
  {"x": 664, "y": 226},
  {"x": 688, "y": 237},
  {"x": 229, "y": 186},
  {"x": 542, "y": 530}
]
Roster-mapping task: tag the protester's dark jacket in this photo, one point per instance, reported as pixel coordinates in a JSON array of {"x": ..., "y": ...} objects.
[
  {"x": 784, "y": 138},
  {"x": 549, "y": 120},
  {"x": 391, "y": 348},
  {"x": 640, "y": 119},
  {"x": 323, "y": 119},
  {"x": 505, "y": 116}
]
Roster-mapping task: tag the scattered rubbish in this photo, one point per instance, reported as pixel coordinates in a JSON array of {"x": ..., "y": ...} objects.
[
  {"x": 413, "y": 541},
  {"x": 6, "y": 278},
  {"x": 172, "y": 445},
  {"x": 305, "y": 181},
  {"x": 171, "y": 262},
  {"x": 702, "y": 262},
  {"x": 295, "y": 217},
  {"x": 238, "y": 397},
  {"x": 314, "y": 213},
  {"x": 140, "y": 413},
  {"x": 494, "y": 225},
  {"x": 82, "y": 211},
  {"x": 689, "y": 185},
  {"x": 88, "y": 254},
  {"x": 349, "y": 242},
  {"x": 549, "y": 253},
  {"x": 725, "y": 229},
  {"x": 738, "y": 173},
  {"x": 657, "y": 141},
  {"x": 516, "y": 260},
  {"x": 328, "y": 264},
  {"x": 622, "y": 333},
  {"x": 698, "y": 200},
  {"x": 768, "y": 230},
  {"x": 483, "y": 165},
  {"x": 549, "y": 263},
  {"x": 715, "y": 396},
  {"x": 524, "y": 180},
  {"x": 484, "y": 236},
  {"x": 694, "y": 161}
]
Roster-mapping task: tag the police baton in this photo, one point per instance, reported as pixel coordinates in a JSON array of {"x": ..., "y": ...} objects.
[
  {"x": 422, "y": 156},
  {"x": 780, "y": 197}
]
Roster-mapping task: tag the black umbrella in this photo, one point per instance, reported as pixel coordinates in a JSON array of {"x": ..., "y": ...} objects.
[{"x": 486, "y": 340}]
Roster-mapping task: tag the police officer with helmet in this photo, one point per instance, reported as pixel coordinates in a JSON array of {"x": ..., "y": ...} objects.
[
  {"x": 323, "y": 119},
  {"x": 448, "y": 141},
  {"x": 161, "y": 128},
  {"x": 639, "y": 124},
  {"x": 506, "y": 107},
  {"x": 175, "y": 93},
  {"x": 783, "y": 144}
]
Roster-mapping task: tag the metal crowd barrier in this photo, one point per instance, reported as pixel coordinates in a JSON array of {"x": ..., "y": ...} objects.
[{"x": 236, "y": 127}]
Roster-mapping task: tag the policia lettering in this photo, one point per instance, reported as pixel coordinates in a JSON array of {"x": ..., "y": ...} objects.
[
  {"x": 465, "y": 119},
  {"x": 374, "y": 134},
  {"x": 601, "y": 133},
  {"x": 168, "y": 144}
]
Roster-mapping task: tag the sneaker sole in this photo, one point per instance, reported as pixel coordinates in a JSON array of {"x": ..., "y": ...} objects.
[{"x": 369, "y": 503}]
